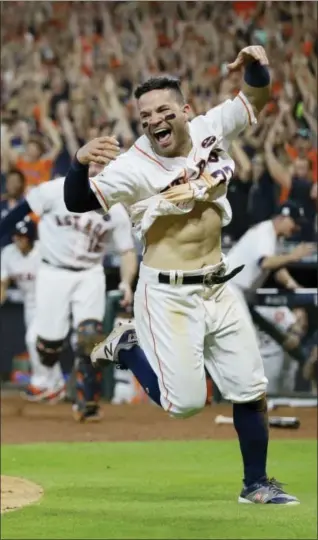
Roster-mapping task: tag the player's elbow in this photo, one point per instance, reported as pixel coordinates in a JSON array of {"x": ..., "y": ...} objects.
[{"x": 264, "y": 263}]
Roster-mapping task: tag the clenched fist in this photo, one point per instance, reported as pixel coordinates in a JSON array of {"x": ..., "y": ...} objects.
[
  {"x": 101, "y": 150},
  {"x": 248, "y": 55}
]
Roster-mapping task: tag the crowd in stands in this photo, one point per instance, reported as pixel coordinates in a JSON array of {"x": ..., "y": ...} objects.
[{"x": 68, "y": 70}]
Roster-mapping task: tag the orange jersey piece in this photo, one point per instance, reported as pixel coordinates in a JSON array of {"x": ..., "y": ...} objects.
[
  {"x": 292, "y": 154},
  {"x": 311, "y": 156},
  {"x": 35, "y": 172}
]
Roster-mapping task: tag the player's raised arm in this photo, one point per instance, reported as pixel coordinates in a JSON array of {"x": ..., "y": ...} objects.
[
  {"x": 235, "y": 115},
  {"x": 114, "y": 184},
  {"x": 256, "y": 85}
]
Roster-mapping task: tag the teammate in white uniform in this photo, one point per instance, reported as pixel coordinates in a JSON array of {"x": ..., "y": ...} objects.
[
  {"x": 175, "y": 180},
  {"x": 70, "y": 287},
  {"x": 272, "y": 353},
  {"x": 258, "y": 249},
  {"x": 20, "y": 262}
]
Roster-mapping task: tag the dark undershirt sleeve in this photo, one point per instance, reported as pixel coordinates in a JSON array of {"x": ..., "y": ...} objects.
[{"x": 78, "y": 195}]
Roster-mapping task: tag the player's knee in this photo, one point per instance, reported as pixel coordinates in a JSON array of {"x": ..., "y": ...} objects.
[
  {"x": 258, "y": 404},
  {"x": 89, "y": 332},
  {"x": 246, "y": 390},
  {"x": 49, "y": 351},
  {"x": 189, "y": 405}
]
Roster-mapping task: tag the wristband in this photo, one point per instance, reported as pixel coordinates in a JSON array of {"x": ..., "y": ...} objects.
[{"x": 256, "y": 75}]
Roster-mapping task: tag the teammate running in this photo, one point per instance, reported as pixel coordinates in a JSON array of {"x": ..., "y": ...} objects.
[
  {"x": 20, "y": 262},
  {"x": 71, "y": 281}
]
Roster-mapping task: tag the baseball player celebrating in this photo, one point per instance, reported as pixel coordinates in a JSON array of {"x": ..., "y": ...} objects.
[
  {"x": 20, "y": 262},
  {"x": 71, "y": 280},
  {"x": 174, "y": 178}
]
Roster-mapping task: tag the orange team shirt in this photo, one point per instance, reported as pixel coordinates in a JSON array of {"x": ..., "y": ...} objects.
[
  {"x": 292, "y": 153},
  {"x": 35, "y": 172},
  {"x": 311, "y": 156},
  {"x": 244, "y": 9}
]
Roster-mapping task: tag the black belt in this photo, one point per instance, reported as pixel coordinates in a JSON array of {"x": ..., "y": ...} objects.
[
  {"x": 69, "y": 268},
  {"x": 208, "y": 279}
]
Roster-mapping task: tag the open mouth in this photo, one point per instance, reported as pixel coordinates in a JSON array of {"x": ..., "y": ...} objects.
[{"x": 163, "y": 136}]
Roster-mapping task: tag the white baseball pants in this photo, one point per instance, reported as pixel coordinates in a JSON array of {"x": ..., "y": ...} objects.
[
  {"x": 183, "y": 328},
  {"x": 61, "y": 294}
]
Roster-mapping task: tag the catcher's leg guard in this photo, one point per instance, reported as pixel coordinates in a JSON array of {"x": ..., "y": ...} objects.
[
  {"x": 88, "y": 377},
  {"x": 88, "y": 390}
]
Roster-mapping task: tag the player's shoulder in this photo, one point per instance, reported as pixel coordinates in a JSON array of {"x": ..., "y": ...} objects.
[
  {"x": 55, "y": 183},
  {"x": 124, "y": 162},
  {"x": 55, "y": 189},
  {"x": 128, "y": 165},
  {"x": 214, "y": 114},
  {"x": 51, "y": 186},
  {"x": 36, "y": 246},
  {"x": 265, "y": 227},
  {"x": 207, "y": 125},
  {"x": 141, "y": 152},
  {"x": 260, "y": 234},
  {"x": 9, "y": 251}
]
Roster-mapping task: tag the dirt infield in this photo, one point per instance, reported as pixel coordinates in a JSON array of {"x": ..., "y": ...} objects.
[
  {"x": 18, "y": 492},
  {"x": 24, "y": 423}
]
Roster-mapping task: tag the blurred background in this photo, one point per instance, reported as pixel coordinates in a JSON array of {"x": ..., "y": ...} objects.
[{"x": 68, "y": 70}]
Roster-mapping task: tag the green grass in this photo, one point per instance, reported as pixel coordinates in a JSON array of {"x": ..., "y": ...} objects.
[{"x": 156, "y": 490}]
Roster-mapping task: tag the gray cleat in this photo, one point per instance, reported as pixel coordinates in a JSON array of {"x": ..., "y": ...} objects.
[
  {"x": 122, "y": 337},
  {"x": 267, "y": 491}
]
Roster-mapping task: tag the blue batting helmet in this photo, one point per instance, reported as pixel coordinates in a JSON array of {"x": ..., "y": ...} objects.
[{"x": 27, "y": 228}]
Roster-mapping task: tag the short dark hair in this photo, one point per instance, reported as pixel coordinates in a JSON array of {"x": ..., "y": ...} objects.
[
  {"x": 160, "y": 83},
  {"x": 19, "y": 173},
  {"x": 37, "y": 139}
]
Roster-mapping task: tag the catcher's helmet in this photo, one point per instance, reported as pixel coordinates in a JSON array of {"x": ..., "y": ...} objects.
[{"x": 27, "y": 228}]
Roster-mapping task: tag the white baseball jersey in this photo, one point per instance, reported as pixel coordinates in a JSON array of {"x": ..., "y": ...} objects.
[
  {"x": 283, "y": 318},
  {"x": 22, "y": 269},
  {"x": 140, "y": 178},
  {"x": 76, "y": 240},
  {"x": 258, "y": 242}
]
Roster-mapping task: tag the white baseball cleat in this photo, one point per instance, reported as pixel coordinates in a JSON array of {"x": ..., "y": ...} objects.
[
  {"x": 47, "y": 395},
  {"x": 122, "y": 337}
]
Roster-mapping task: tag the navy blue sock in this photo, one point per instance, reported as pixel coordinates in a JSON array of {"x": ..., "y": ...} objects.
[
  {"x": 135, "y": 360},
  {"x": 251, "y": 424}
]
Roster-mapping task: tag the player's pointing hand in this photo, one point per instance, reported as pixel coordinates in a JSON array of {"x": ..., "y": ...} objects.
[
  {"x": 248, "y": 55},
  {"x": 101, "y": 150}
]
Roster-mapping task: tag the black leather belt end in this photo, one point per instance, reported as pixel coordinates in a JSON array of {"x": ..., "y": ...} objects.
[
  {"x": 69, "y": 268},
  {"x": 208, "y": 279}
]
